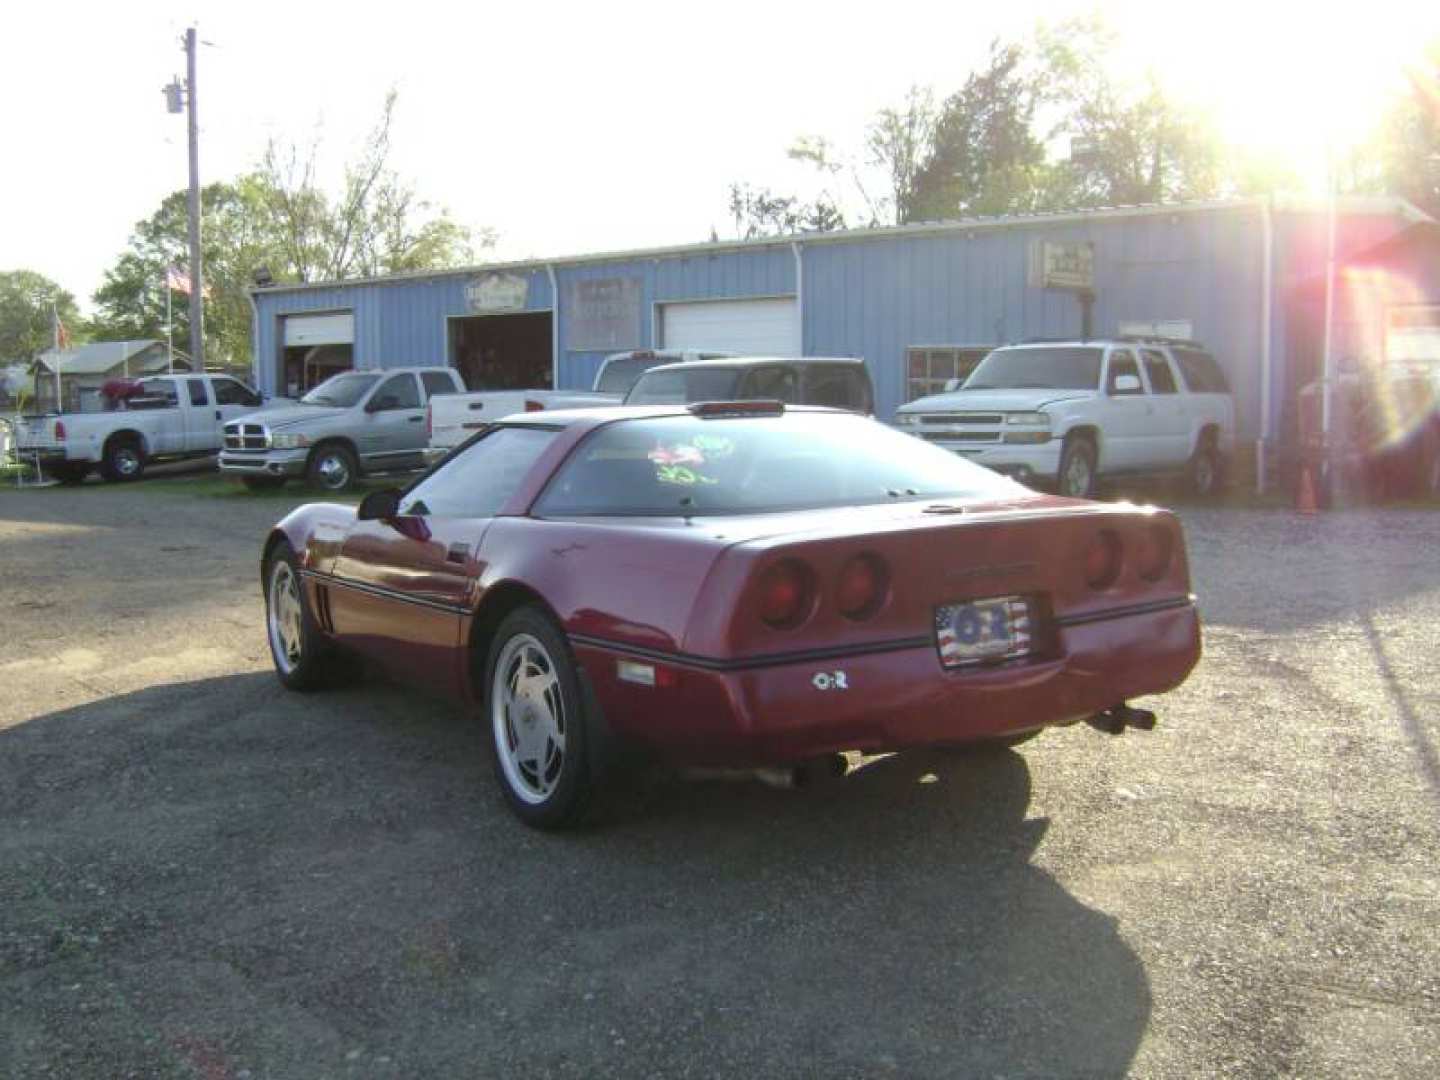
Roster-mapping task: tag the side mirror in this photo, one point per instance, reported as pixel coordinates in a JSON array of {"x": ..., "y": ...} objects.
[
  {"x": 1126, "y": 384},
  {"x": 382, "y": 505}
]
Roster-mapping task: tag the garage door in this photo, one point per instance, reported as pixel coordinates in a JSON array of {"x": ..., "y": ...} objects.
[
  {"x": 335, "y": 328},
  {"x": 748, "y": 327}
]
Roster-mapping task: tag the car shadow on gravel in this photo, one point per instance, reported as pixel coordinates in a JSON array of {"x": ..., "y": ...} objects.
[{"x": 219, "y": 876}]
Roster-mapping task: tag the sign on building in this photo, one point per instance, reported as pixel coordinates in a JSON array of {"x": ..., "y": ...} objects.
[
  {"x": 602, "y": 314},
  {"x": 1178, "y": 329},
  {"x": 1062, "y": 265},
  {"x": 497, "y": 292}
]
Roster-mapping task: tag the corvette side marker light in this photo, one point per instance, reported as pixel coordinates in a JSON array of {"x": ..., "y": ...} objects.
[{"x": 639, "y": 674}]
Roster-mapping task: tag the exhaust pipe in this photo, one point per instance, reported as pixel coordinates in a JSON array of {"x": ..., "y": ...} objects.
[
  {"x": 1114, "y": 720},
  {"x": 805, "y": 774}
]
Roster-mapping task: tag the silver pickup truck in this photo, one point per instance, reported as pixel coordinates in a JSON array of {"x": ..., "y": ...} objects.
[{"x": 354, "y": 424}]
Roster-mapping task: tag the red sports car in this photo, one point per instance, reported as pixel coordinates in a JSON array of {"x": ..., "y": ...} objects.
[{"x": 734, "y": 585}]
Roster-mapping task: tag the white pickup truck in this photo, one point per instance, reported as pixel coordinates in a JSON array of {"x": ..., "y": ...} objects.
[
  {"x": 1066, "y": 414},
  {"x": 453, "y": 418},
  {"x": 163, "y": 418}
]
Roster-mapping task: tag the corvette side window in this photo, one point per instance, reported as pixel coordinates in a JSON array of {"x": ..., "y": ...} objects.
[{"x": 478, "y": 480}]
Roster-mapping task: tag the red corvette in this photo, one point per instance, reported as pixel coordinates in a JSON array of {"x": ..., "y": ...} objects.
[{"x": 732, "y": 584}]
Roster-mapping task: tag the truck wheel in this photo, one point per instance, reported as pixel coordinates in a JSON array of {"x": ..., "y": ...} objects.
[
  {"x": 1204, "y": 471},
  {"x": 124, "y": 461},
  {"x": 1077, "y": 469},
  {"x": 263, "y": 483},
  {"x": 331, "y": 468}
]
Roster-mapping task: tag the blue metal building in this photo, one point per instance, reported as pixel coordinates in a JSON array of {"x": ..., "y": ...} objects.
[{"x": 918, "y": 302}]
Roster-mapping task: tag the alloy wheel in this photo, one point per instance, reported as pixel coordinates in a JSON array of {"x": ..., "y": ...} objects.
[
  {"x": 528, "y": 717},
  {"x": 285, "y": 618}
]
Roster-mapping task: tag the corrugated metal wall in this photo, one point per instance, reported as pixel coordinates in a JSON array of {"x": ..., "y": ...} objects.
[{"x": 876, "y": 297}]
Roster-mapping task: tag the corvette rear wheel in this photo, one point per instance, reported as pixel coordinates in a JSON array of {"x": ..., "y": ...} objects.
[
  {"x": 536, "y": 721},
  {"x": 303, "y": 658}
]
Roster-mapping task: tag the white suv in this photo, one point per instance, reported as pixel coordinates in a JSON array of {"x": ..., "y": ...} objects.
[{"x": 1066, "y": 413}]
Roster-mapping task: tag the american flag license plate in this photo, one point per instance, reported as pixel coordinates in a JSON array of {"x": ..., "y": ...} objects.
[{"x": 981, "y": 631}]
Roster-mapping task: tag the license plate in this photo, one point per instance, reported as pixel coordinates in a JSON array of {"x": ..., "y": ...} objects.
[{"x": 981, "y": 631}]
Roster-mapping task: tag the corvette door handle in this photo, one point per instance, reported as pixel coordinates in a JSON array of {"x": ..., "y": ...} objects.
[{"x": 414, "y": 419}]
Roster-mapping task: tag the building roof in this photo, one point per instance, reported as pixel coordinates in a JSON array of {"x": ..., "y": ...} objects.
[
  {"x": 1353, "y": 204},
  {"x": 98, "y": 357}
]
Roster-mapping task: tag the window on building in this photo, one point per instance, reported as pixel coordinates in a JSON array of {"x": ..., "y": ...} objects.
[
  {"x": 1158, "y": 368},
  {"x": 928, "y": 370}
]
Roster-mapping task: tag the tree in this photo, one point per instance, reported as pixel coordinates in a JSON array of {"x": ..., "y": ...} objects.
[
  {"x": 1128, "y": 144},
  {"x": 1403, "y": 156},
  {"x": 376, "y": 224},
  {"x": 27, "y": 300},
  {"x": 278, "y": 217},
  {"x": 984, "y": 158},
  {"x": 761, "y": 212},
  {"x": 899, "y": 141},
  {"x": 236, "y": 238}
]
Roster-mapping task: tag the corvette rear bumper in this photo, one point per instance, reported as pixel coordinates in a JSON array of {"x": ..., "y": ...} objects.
[{"x": 890, "y": 700}]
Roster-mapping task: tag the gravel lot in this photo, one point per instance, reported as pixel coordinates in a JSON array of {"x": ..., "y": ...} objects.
[{"x": 204, "y": 876}]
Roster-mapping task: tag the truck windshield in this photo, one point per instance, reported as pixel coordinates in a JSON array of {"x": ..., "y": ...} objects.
[
  {"x": 1065, "y": 367},
  {"x": 340, "y": 391},
  {"x": 681, "y": 387}
]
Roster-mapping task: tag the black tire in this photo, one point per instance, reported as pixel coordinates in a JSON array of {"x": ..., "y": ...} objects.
[
  {"x": 332, "y": 467},
  {"x": 1076, "y": 478},
  {"x": 304, "y": 659},
  {"x": 537, "y": 722},
  {"x": 1203, "y": 474},
  {"x": 124, "y": 460},
  {"x": 70, "y": 475},
  {"x": 263, "y": 483}
]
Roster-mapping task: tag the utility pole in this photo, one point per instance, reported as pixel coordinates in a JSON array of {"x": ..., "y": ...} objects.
[{"x": 197, "y": 274}]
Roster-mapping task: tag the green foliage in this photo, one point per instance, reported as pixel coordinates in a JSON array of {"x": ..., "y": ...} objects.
[
  {"x": 26, "y": 326},
  {"x": 984, "y": 157},
  {"x": 376, "y": 223},
  {"x": 760, "y": 212},
  {"x": 277, "y": 217},
  {"x": 1403, "y": 156}
]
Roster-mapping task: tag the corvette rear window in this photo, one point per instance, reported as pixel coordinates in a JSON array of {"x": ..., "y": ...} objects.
[{"x": 799, "y": 461}]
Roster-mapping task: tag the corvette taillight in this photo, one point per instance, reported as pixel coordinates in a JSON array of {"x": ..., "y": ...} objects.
[
  {"x": 531, "y": 405},
  {"x": 861, "y": 587},
  {"x": 786, "y": 594},
  {"x": 1154, "y": 548},
  {"x": 59, "y": 430},
  {"x": 1102, "y": 560}
]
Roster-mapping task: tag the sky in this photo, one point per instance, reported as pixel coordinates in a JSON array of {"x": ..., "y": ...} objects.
[{"x": 574, "y": 128}]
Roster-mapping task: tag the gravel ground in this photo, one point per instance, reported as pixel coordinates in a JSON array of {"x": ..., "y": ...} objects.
[{"x": 204, "y": 876}]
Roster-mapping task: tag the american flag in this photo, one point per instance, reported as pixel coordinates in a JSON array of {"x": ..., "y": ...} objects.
[{"x": 177, "y": 279}]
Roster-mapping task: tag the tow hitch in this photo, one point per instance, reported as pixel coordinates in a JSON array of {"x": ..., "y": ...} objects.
[{"x": 1114, "y": 720}]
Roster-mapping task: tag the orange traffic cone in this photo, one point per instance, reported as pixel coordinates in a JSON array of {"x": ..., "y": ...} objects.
[{"x": 1305, "y": 494}]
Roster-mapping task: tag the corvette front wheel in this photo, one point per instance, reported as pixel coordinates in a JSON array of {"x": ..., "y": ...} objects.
[{"x": 536, "y": 721}]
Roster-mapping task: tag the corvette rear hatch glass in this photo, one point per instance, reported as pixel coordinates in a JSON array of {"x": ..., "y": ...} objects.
[{"x": 691, "y": 465}]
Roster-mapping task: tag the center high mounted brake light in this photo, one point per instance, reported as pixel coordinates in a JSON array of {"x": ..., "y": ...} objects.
[{"x": 707, "y": 410}]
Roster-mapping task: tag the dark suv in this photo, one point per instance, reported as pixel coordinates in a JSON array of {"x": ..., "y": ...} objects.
[{"x": 834, "y": 381}]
